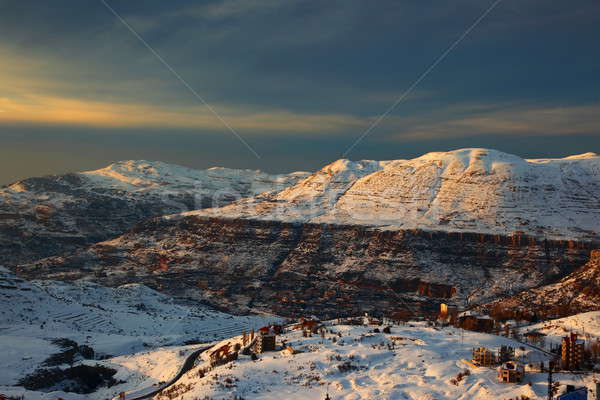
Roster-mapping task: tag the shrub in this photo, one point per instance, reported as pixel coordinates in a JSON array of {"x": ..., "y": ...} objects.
[
  {"x": 81, "y": 379},
  {"x": 65, "y": 357},
  {"x": 86, "y": 352},
  {"x": 69, "y": 354},
  {"x": 346, "y": 367},
  {"x": 42, "y": 378},
  {"x": 64, "y": 343}
]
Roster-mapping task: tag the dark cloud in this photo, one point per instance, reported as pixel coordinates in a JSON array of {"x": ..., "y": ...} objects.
[
  {"x": 350, "y": 58},
  {"x": 38, "y": 151}
]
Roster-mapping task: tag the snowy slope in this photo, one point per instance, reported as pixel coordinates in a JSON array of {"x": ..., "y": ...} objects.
[
  {"x": 585, "y": 325},
  {"x": 149, "y": 176},
  {"x": 311, "y": 197},
  {"x": 113, "y": 321},
  {"x": 413, "y": 362},
  {"x": 467, "y": 190},
  {"x": 50, "y": 215}
]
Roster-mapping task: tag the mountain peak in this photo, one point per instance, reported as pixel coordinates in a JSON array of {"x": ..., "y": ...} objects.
[
  {"x": 139, "y": 172},
  {"x": 343, "y": 165}
]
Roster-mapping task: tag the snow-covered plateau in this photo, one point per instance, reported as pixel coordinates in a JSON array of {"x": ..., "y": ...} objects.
[{"x": 466, "y": 190}]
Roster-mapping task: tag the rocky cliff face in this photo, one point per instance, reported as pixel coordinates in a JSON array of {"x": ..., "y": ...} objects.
[
  {"x": 575, "y": 293},
  {"x": 46, "y": 216},
  {"x": 327, "y": 270}
]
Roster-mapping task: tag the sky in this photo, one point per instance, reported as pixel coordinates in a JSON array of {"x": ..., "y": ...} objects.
[{"x": 292, "y": 85}]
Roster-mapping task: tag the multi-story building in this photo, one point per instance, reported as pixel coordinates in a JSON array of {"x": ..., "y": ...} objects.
[
  {"x": 483, "y": 357},
  {"x": 572, "y": 352}
]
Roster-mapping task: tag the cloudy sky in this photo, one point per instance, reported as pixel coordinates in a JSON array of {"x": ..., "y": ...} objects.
[{"x": 289, "y": 85}]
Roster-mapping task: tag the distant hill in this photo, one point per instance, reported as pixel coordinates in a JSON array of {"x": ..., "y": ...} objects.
[{"x": 41, "y": 217}]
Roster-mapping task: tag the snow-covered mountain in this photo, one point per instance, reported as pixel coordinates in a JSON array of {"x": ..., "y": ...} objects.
[
  {"x": 159, "y": 177},
  {"x": 467, "y": 190},
  {"x": 50, "y": 215},
  {"x": 472, "y": 224}
]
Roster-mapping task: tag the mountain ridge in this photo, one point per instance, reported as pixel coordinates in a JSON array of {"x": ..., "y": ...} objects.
[
  {"x": 466, "y": 190},
  {"x": 347, "y": 237}
]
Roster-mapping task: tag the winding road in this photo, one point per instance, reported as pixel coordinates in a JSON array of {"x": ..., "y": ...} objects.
[{"x": 185, "y": 367}]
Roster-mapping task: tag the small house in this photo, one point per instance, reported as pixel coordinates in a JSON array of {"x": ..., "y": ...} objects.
[
  {"x": 277, "y": 329},
  {"x": 475, "y": 322},
  {"x": 222, "y": 355},
  {"x": 307, "y": 324},
  {"x": 289, "y": 350}
]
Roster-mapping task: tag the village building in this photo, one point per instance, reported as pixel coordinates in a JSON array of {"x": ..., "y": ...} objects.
[
  {"x": 472, "y": 321},
  {"x": 222, "y": 355},
  {"x": 483, "y": 357},
  {"x": 505, "y": 354},
  {"x": 265, "y": 343},
  {"x": 276, "y": 329},
  {"x": 448, "y": 312},
  {"x": 572, "y": 350},
  {"x": 511, "y": 372},
  {"x": 310, "y": 325},
  {"x": 267, "y": 338}
]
